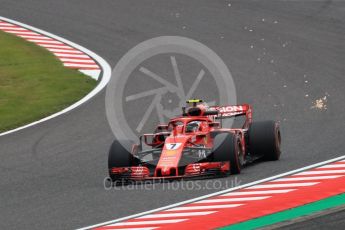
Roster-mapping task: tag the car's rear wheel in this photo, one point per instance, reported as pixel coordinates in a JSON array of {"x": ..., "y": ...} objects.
[
  {"x": 265, "y": 139},
  {"x": 227, "y": 147}
]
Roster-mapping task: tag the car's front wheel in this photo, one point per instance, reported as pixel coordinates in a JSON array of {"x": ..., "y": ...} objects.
[
  {"x": 120, "y": 156},
  {"x": 227, "y": 147}
]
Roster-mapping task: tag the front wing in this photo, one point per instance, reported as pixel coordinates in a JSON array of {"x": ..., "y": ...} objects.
[{"x": 140, "y": 173}]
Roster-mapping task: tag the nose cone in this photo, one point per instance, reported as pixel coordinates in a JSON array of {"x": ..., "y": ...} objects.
[
  {"x": 165, "y": 171},
  {"x": 171, "y": 155}
]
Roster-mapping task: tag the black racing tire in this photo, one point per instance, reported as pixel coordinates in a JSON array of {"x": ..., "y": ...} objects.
[
  {"x": 265, "y": 140},
  {"x": 227, "y": 147},
  {"x": 120, "y": 156}
]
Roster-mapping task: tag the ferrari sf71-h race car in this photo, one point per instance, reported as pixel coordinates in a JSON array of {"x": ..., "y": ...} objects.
[{"x": 195, "y": 144}]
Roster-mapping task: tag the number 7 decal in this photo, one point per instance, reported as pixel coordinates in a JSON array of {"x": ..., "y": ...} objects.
[{"x": 172, "y": 146}]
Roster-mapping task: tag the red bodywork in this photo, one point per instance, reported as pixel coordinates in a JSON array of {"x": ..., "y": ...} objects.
[{"x": 173, "y": 140}]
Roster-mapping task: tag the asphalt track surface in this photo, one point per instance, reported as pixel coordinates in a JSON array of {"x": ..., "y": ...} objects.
[{"x": 52, "y": 174}]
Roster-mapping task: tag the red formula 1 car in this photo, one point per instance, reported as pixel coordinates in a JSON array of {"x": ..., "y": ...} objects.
[{"x": 195, "y": 144}]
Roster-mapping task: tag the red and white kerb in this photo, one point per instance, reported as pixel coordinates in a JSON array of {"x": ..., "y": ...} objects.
[{"x": 68, "y": 55}]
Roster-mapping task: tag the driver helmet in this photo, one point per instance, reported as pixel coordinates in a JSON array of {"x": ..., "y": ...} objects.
[{"x": 193, "y": 126}]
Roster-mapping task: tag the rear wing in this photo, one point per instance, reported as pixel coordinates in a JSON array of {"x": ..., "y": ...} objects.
[{"x": 229, "y": 111}]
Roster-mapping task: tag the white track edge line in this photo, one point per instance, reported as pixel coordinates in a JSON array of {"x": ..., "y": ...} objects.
[
  {"x": 213, "y": 194},
  {"x": 106, "y": 75}
]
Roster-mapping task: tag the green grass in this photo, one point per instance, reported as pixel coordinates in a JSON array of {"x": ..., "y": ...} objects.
[{"x": 34, "y": 83}]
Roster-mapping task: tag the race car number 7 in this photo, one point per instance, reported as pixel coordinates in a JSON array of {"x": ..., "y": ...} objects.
[{"x": 173, "y": 146}]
